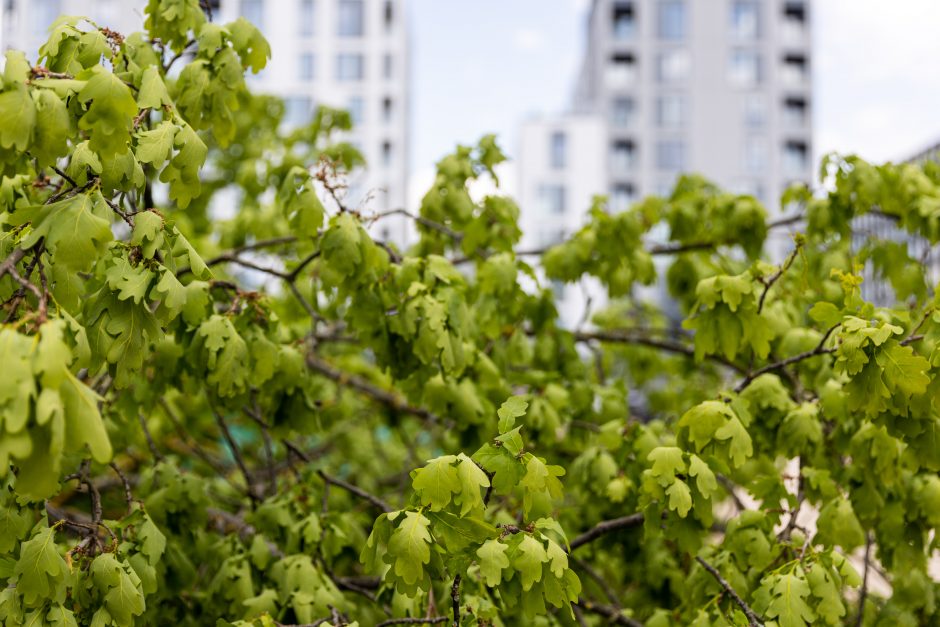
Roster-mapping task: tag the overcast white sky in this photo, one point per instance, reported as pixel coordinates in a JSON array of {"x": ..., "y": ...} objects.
[{"x": 482, "y": 66}]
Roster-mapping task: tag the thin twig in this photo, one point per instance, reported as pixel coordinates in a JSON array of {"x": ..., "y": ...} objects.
[
  {"x": 863, "y": 594},
  {"x": 413, "y": 621},
  {"x": 128, "y": 495},
  {"x": 769, "y": 282},
  {"x": 752, "y": 618},
  {"x": 236, "y": 453},
  {"x": 819, "y": 350},
  {"x": 613, "y": 614},
  {"x": 371, "y": 498}
]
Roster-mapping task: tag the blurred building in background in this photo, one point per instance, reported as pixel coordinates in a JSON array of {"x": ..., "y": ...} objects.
[
  {"x": 24, "y": 24},
  {"x": 722, "y": 89},
  {"x": 347, "y": 54}
]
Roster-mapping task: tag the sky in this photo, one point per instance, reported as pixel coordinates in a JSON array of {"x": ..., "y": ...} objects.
[{"x": 484, "y": 66}]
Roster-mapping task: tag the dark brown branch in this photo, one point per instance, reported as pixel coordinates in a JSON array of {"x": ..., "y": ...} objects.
[
  {"x": 371, "y": 498},
  {"x": 605, "y": 527},
  {"x": 359, "y": 384},
  {"x": 413, "y": 621},
  {"x": 769, "y": 282},
  {"x": 602, "y": 583},
  {"x": 128, "y": 495},
  {"x": 752, "y": 618},
  {"x": 236, "y": 453},
  {"x": 783, "y": 363},
  {"x": 455, "y": 600},
  {"x": 150, "y": 443},
  {"x": 669, "y": 346},
  {"x": 863, "y": 593},
  {"x": 614, "y": 615}
]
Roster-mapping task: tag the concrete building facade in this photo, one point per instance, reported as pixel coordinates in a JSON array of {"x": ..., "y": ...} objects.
[
  {"x": 347, "y": 54},
  {"x": 717, "y": 87}
]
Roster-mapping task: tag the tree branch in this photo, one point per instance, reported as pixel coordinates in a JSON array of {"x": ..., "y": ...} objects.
[
  {"x": 752, "y": 618},
  {"x": 371, "y": 498},
  {"x": 670, "y": 346},
  {"x": 863, "y": 593},
  {"x": 359, "y": 384},
  {"x": 413, "y": 621},
  {"x": 605, "y": 527},
  {"x": 455, "y": 600},
  {"x": 769, "y": 282},
  {"x": 783, "y": 363},
  {"x": 614, "y": 615},
  {"x": 236, "y": 453}
]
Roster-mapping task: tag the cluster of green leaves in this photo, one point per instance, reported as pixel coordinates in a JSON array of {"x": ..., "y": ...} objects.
[{"x": 227, "y": 402}]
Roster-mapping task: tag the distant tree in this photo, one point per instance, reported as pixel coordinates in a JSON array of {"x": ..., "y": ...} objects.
[{"x": 223, "y": 402}]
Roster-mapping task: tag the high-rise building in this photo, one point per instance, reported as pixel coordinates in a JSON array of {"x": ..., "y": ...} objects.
[
  {"x": 721, "y": 88},
  {"x": 347, "y": 54},
  {"x": 24, "y": 24}
]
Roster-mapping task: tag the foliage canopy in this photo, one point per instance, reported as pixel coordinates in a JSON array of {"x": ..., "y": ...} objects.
[{"x": 374, "y": 436}]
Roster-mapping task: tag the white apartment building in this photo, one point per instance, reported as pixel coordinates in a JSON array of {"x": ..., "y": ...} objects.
[
  {"x": 348, "y": 54},
  {"x": 717, "y": 87},
  {"x": 24, "y": 24}
]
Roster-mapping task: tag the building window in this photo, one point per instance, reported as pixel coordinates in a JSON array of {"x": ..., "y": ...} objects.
[
  {"x": 672, "y": 66},
  {"x": 623, "y": 156},
  {"x": 297, "y": 110},
  {"x": 755, "y": 111},
  {"x": 795, "y": 112},
  {"x": 307, "y": 66},
  {"x": 624, "y": 21},
  {"x": 557, "y": 150},
  {"x": 671, "y": 111},
  {"x": 795, "y": 69},
  {"x": 307, "y": 17},
  {"x": 387, "y": 65},
  {"x": 351, "y": 18},
  {"x": 387, "y": 109},
  {"x": 671, "y": 20},
  {"x": 552, "y": 199},
  {"x": 622, "y": 70},
  {"x": 755, "y": 155},
  {"x": 744, "y": 70},
  {"x": 795, "y": 158},
  {"x": 794, "y": 21},
  {"x": 253, "y": 11},
  {"x": 349, "y": 67},
  {"x": 622, "y": 112},
  {"x": 389, "y": 14},
  {"x": 621, "y": 197},
  {"x": 386, "y": 153},
  {"x": 745, "y": 19},
  {"x": 356, "y": 108},
  {"x": 670, "y": 155}
]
